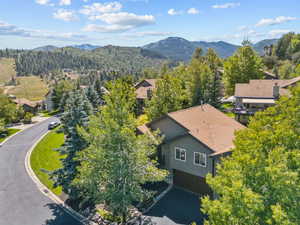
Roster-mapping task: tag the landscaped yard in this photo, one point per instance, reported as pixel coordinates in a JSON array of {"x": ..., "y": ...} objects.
[
  {"x": 44, "y": 158},
  {"x": 10, "y": 132},
  {"x": 31, "y": 88},
  {"x": 7, "y": 70}
]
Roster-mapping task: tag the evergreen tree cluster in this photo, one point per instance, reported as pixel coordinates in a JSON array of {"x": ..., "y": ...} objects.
[
  {"x": 108, "y": 60},
  {"x": 77, "y": 110}
]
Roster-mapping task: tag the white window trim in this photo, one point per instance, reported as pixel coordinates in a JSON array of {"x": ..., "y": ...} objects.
[
  {"x": 205, "y": 156},
  {"x": 181, "y": 149}
]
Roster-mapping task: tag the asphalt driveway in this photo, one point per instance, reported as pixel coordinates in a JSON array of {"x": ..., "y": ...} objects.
[
  {"x": 177, "y": 207},
  {"x": 21, "y": 203}
]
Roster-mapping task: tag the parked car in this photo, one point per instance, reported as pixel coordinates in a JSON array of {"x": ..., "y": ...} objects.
[{"x": 53, "y": 125}]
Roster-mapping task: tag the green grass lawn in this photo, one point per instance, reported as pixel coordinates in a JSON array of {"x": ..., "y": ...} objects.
[
  {"x": 10, "y": 132},
  {"x": 44, "y": 157},
  {"x": 31, "y": 88},
  {"x": 7, "y": 70},
  {"x": 49, "y": 114}
]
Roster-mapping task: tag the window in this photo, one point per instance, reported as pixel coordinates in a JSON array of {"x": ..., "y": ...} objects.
[
  {"x": 200, "y": 159},
  {"x": 180, "y": 154}
]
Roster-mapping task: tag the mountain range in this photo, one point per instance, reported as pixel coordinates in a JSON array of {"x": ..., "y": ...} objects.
[{"x": 178, "y": 49}]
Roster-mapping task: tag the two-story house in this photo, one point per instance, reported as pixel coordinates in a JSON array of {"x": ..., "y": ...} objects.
[
  {"x": 257, "y": 95},
  {"x": 194, "y": 141},
  {"x": 144, "y": 90}
]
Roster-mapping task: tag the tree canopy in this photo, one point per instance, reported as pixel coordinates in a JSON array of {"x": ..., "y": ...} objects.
[
  {"x": 259, "y": 183},
  {"x": 117, "y": 160},
  {"x": 243, "y": 66}
]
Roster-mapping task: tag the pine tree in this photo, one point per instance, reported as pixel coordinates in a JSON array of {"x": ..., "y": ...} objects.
[
  {"x": 93, "y": 97},
  {"x": 77, "y": 110}
]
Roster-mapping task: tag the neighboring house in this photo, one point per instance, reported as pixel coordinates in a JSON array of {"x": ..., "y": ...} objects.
[
  {"x": 257, "y": 95},
  {"x": 28, "y": 106},
  {"x": 194, "y": 141},
  {"x": 144, "y": 90}
]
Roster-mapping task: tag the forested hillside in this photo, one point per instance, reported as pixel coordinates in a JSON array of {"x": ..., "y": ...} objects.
[
  {"x": 124, "y": 60},
  {"x": 180, "y": 49}
]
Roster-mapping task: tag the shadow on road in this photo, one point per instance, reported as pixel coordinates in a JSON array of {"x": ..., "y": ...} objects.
[{"x": 59, "y": 216}]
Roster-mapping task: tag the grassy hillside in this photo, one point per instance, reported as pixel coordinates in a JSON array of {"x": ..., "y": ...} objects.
[
  {"x": 7, "y": 69},
  {"x": 31, "y": 88}
]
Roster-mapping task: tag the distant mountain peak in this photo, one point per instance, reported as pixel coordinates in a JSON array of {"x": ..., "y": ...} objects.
[
  {"x": 180, "y": 49},
  {"x": 87, "y": 47},
  {"x": 46, "y": 48}
]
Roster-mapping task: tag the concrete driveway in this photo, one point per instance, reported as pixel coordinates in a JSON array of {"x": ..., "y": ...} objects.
[
  {"x": 177, "y": 207},
  {"x": 21, "y": 203}
]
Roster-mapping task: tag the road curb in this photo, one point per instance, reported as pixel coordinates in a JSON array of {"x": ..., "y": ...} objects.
[
  {"x": 20, "y": 131},
  {"x": 48, "y": 193},
  {"x": 159, "y": 197}
]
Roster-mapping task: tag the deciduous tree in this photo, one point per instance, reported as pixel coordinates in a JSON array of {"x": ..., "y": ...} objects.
[
  {"x": 117, "y": 160},
  {"x": 243, "y": 66},
  {"x": 259, "y": 183}
]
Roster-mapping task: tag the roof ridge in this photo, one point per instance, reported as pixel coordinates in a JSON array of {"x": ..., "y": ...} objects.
[{"x": 196, "y": 106}]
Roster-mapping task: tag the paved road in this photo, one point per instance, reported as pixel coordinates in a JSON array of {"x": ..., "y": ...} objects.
[
  {"x": 177, "y": 207},
  {"x": 21, "y": 203}
]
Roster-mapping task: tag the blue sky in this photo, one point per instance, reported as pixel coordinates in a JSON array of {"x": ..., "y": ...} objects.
[{"x": 138, "y": 22}]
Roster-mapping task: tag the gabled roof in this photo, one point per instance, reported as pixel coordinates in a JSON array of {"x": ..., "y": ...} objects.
[
  {"x": 209, "y": 126},
  {"x": 141, "y": 91}
]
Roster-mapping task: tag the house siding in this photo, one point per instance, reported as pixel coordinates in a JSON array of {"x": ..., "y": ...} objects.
[
  {"x": 168, "y": 128},
  {"x": 190, "y": 145}
]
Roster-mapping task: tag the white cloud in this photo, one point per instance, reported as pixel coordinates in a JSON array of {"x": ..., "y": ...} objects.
[
  {"x": 278, "y": 33},
  {"x": 12, "y": 30},
  {"x": 243, "y": 28},
  {"x": 43, "y": 2},
  {"x": 227, "y": 5},
  {"x": 99, "y": 8},
  {"x": 65, "y": 2},
  {"x": 277, "y": 20},
  {"x": 173, "y": 12},
  {"x": 150, "y": 33},
  {"x": 119, "y": 22},
  {"x": 65, "y": 15},
  {"x": 106, "y": 28},
  {"x": 193, "y": 11},
  {"x": 124, "y": 18}
]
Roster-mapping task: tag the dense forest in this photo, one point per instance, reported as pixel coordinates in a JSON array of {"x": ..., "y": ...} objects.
[{"x": 124, "y": 60}]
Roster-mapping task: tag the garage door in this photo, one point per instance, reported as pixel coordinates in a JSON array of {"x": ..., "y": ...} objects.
[{"x": 191, "y": 183}]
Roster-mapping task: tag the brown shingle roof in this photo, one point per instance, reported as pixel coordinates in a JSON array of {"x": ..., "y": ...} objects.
[
  {"x": 23, "y": 101},
  {"x": 263, "y": 88},
  {"x": 208, "y": 125}
]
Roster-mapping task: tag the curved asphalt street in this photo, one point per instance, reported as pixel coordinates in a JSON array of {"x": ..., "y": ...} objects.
[{"x": 21, "y": 203}]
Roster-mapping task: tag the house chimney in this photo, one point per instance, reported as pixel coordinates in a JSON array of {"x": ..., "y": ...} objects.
[
  {"x": 149, "y": 93},
  {"x": 276, "y": 91}
]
